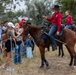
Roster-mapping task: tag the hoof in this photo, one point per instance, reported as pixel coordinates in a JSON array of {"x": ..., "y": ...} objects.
[
  {"x": 75, "y": 67},
  {"x": 62, "y": 55},
  {"x": 47, "y": 67},
  {"x": 70, "y": 64},
  {"x": 42, "y": 66},
  {"x": 59, "y": 55}
]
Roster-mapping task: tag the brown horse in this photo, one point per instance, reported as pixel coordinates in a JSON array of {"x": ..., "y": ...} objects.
[{"x": 68, "y": 37}]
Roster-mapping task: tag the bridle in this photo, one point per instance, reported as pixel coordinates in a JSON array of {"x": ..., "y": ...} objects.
[{"x": 26, "y": 29}]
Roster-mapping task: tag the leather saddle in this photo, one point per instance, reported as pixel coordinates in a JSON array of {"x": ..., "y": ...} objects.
[{"x": 46, "y": 29}]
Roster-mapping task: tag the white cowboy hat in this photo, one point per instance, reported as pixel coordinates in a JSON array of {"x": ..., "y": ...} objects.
[{"x": 10, "y": 24}]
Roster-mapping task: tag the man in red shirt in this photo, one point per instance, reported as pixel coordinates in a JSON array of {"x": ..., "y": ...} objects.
[
  {"x": 68, "y": 20},
  {"x": 55, "y": 27}
]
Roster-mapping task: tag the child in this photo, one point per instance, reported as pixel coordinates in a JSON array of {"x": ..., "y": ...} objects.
[{"x": 29, "y": 47}]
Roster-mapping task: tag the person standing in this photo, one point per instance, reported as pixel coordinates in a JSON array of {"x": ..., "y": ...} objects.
[
  {"x": 68, "y": 20},
  {"x": 55, "y": 27},
  {"x": 29, "y": 46},
  {"x": 17, "y": 50},
  {"x": 9, "y": 42}
]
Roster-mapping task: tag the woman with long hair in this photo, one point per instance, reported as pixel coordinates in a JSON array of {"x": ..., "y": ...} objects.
[{"x": 9, "y": 39}]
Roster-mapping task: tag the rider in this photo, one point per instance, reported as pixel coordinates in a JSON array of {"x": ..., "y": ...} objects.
[
  {"x": 55, "y": 27},
  {"x": 68, "y": 20}
]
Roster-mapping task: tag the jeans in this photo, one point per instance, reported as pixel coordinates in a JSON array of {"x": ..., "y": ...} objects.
[
  {"x": 68, "y": 26},
  {"x": 23, "y": 50},
  {"x": 17, "y": 54},
  {"x": 52, "y": 33},
  {"x": 29, "y": 52}
]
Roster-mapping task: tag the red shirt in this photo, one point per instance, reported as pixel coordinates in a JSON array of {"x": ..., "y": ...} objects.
[
  {"x": 20, "y": 23},
  {"x": 56, "y": 19},
  {"x": 68, "y": 20}
]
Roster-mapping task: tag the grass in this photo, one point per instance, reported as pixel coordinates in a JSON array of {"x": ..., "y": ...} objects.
[{"x": 58, "y": 65}]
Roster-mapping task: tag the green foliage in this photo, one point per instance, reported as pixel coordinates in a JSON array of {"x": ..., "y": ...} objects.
[
  {"x": 7, "y": 12},
  {"x": 68, "y": 5},
  {"x": 36, "y": 9}
]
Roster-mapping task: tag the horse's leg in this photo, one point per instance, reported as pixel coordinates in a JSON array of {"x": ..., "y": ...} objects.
[
  {"x": 71, "y": 52},
  {"x": 59, "y": 52},
  {"x": 71, "y": 61},
  {"x": 62, "y": 50},
  {"x": 33, "y": 47},
  {"x": 42, "y": 51},
  {"x": 75, "y": 59},
  {"x": 47, "y": 64},
  {"x": 48, "y": 48}
]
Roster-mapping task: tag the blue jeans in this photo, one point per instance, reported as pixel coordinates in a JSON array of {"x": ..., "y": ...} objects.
[
  {"x": 52, "y": 32},
  {"x": 29, "y": 52},
  {"x": 23, "y": 50},
  {"x": 68, "y": 26},
  {"x": 17, "y": 54}
]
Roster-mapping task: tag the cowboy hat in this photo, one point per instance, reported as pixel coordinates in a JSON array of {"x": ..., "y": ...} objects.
[{"x": 56, "y": 7}]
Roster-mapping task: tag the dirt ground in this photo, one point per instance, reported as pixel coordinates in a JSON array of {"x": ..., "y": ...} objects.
[{"x": 58, "y": 65}]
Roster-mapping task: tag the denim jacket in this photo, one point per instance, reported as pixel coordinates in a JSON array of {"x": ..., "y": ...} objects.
[{"x": 28, "y": 43}]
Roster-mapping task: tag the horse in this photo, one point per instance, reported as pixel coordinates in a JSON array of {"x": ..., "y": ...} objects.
[{"x": 68, "y": 37}]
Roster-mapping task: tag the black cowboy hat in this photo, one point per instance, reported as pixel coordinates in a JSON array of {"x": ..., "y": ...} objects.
[{"x": 56, "y": 7}]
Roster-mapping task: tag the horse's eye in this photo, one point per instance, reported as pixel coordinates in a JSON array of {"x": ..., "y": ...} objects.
[{"x": 27, "y": 26}]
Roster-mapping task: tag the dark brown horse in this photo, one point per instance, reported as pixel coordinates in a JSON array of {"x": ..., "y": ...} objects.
[{"x": 68, "y": 37}]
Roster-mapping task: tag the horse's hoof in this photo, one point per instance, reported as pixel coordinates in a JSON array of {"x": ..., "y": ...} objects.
[
  {"x": 41, "y": 66},
  {"x": 70, "y": 64},
  {"x": 62, "y": 55},
  {"x": 47, "y": 67},
  {"x": 58, "y": 55},
  {"x": 75, "y": 67}
]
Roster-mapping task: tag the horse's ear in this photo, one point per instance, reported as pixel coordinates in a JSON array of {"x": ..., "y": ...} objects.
[
  {"x": 28, "y": 23},
  {"x": 42, "y": 27}
]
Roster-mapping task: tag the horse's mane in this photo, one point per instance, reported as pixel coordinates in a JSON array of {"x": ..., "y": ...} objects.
[{"x": 35, "y": 27}]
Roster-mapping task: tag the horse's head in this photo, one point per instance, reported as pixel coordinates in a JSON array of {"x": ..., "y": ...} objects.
[
  {"x": 25, "y": 30},
  {"x": 33, "y": 30}
]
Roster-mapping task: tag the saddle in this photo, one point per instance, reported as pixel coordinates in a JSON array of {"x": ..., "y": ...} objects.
[{"x": 46, "y": 29}]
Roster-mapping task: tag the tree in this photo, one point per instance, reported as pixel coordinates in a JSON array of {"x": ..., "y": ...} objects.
[
  {"x": 36, "y": 9},
  {"x": 68, "y": 5},
  {"x": 7, "y": 10}
]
